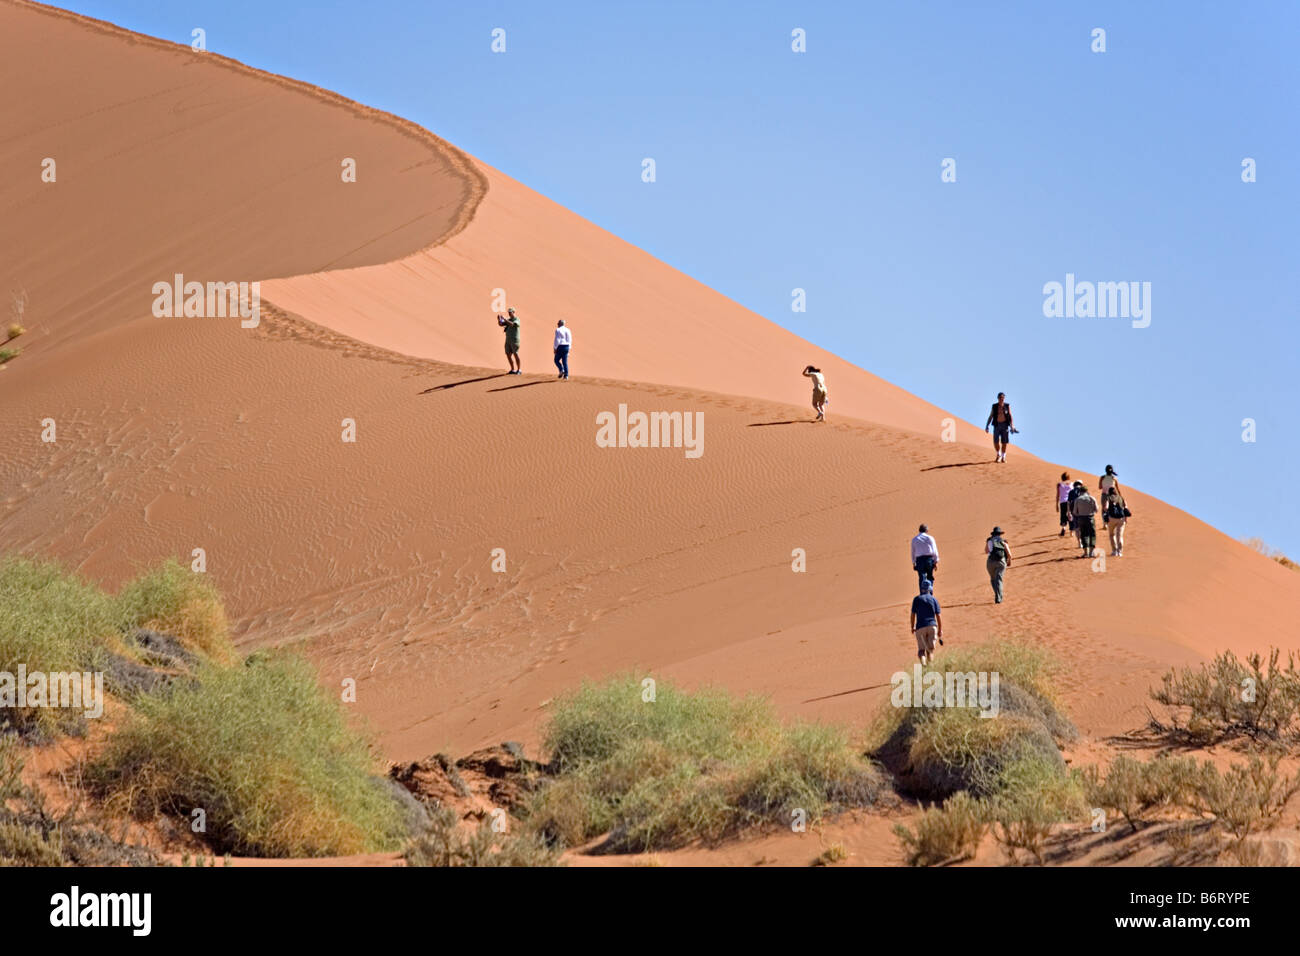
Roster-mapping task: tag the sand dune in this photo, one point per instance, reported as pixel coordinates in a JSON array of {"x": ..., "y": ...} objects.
[{"x": 175, "y": 434}]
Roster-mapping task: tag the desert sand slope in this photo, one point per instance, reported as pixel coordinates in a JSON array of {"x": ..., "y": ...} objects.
[
  {"x": 169, "y": 160},
  {"x": 633, "y": 317},
  {"x": 376, "y": 555}
]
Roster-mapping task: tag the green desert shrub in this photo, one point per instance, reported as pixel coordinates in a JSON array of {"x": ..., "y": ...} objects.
[
  {"x": 8, "y": 355},
  {"x": 945, "y": 834},
  {"x": 264, "y": 752},
  {"x": 1246, "y": 798},
  {"x": 936, "y": 751},
  {"x": 1133, "y": 787},
  {"x": 51, "y": 621},
  {"x": 1034, "y": 798},
  {"x": 443, "y": 842},
  {"x": 176, "y": 601},
  {"x": 1231, "y": 698},
  {"x": 688, "y": 766}
]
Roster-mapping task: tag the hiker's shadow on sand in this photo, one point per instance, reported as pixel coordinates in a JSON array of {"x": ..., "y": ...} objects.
[
  {"x": 845, "y": 693},
  {"x": 959, "y": 464},
  {"x": 467, "y": 381},
  {"x": 507, "y": 388},
  {"x": 789, "y": 421}
]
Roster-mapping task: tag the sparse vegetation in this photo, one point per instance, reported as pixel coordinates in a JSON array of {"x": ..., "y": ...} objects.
[
  {"x": 835, "y": 853},
  {"x": 1230, "y": 698},
  {"x": 1134, "y": 788},
  {"x": 702, "y": 766},
  {"x": 50, "y": 622},
  {"x": 444, "y": 843},
  {"x": 1247, "y": 797},
  {"x": 939, "y": 751},
  {"x": 8, "y": 355},
  {"x": 176, "y": 601},
  {"x": 946, "y": 834},
  {"x": 1271, "y": 553},
  {"x": 263, "y": 751}
]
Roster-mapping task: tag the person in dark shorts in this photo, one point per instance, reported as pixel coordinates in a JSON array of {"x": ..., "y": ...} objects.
[
  {"x": 926, "y": 622},
  {"x": 1000, "y": 419},
  {"x": 511, "y": 324},
  {"x": 1063, "y": 489}
]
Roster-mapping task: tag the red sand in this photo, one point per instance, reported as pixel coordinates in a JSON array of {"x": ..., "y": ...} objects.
[{"x": 175, "y": 434}]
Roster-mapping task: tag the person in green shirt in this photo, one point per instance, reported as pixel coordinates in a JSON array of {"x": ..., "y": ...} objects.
[{"x": 511, "y": 324}]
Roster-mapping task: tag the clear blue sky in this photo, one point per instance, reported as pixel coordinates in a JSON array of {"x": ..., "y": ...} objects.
[{"x": 821, "y": 170}]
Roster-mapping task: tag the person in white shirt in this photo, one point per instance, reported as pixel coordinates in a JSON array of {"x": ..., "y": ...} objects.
[
  {"x": 925, "y": 555},
  {"x": 563, "y": 341}
]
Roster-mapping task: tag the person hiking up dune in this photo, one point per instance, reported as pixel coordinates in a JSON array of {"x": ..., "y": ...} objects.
[
  {"x": 926, "y": 622},
  {"x": 1063, "y": 489},
  {"x": 1069, "y": 510},
  {"x": 925, "y": 555},
  {"x": 1003, "y": 427},
  {"x": 563, "y": 342},
  {"x": 819, "y": 390},
  {"x": 1117, "y": 515},
  {"x": 1084, "y": 510},
  {"x": 1108, "y": 481},
  {"x": 511, "y": 324},
  {"x": 997, "y": 562}
]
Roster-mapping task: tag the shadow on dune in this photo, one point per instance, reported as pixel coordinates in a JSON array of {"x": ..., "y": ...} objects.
[
  {"x": 791, "y": 421},
  {"x": 1031, "y": 564},
  {"x": 959, "y": 464},
  {"x": 466, "y": 381},
  {"x": 507, "y": 388},
  {"x": 844, "y": 693}
]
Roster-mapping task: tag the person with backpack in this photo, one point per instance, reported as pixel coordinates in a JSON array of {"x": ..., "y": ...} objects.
[
  {"x": 511, "y": 325},
  {"x": 925, "y": 555},
  {"x": 999, "y": 559},
  {"x": 1117, "y": 516},
  {"x": 1108, "y": 481},
  {"x": 819, "y": 390},
  {"x": 1000, "y": 419},
  {"x": 1084, "y": 510},
  {"x": 926, "y": 622},
  {"x": 1063, "y": 489},
  {"x": 1069, "y": 510}
]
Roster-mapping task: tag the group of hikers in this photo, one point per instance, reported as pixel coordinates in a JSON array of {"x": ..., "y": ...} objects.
[
  {"x": 1077, "y": 510},
  {"x": 563, "y": 342}
]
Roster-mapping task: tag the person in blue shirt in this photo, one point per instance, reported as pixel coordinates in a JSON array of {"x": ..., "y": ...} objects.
[{"x": 927, "y": 622}]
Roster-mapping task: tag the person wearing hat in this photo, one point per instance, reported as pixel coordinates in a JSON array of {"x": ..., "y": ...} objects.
[
  {"x": 999, "y": 559},
  {"x": 1069, "y": 510},
  {"x": 927, "y": 622},
  {"x": 563, "y": 340},
  {"x": 511, "y": 324},
  {"x": 1084, "y": 510}
]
